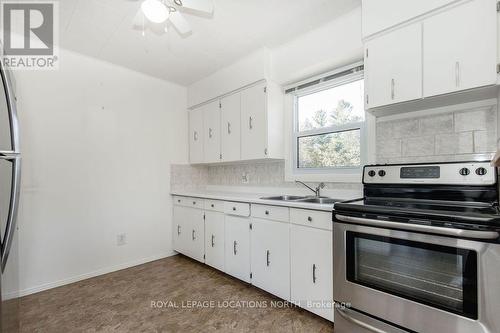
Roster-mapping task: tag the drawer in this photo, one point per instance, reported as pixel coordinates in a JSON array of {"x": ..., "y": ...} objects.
[
  {"x": 311, "y": 218},
  {"x": 188, "y": 202},
  {"x": 214, "y": 205},
  {"x": 236, "y": 208},
  {"x": 271, "y": 213}
]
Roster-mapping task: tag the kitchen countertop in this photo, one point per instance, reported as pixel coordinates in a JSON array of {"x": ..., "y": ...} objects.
[{"x": 254, "y": 198}]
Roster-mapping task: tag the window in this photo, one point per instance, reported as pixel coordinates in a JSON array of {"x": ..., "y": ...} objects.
[{"x": 329, "y": 126}]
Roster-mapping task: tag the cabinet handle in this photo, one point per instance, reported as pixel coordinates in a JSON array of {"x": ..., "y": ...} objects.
[
  {"x": 193, "y": 235},
  {"x": 228, "y": 127},
  {"x": 234, "y": 247},
  {"x": 213, "y": 240},
  {"x": 310, "y": 219},
  {"x": 267, "y": 258},
  {"x": 195, "y": 136},
  {"x": 212, "y": 205},
  {"x": 178, "y": 229},
  {"x": 250, "y": 123},
  {"x": 179, "y": 201},
  {"x": 392, "y": 88},
  {"x": 210, "y": 133},
  {"x": 234, "y": 209},
  {"x": 194, "y": 202},
  {"x": 457, "y": 74},
  {"x": 314, "y": 273},
  {"x": 267, "y": 212}
]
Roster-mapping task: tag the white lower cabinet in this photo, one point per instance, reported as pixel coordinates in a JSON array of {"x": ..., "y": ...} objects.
[
  {"x": 312, "y": 270},
  {"x": 189, "y": 232},
  {"x": 270, "y": 256},
  {"x": 214, "y": 239},
  {"x": 286, "y": 252},
  {"x": 237, "y": 247}
]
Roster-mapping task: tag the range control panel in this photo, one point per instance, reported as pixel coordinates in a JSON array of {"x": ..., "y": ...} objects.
[{"x": 460, "y": 173}]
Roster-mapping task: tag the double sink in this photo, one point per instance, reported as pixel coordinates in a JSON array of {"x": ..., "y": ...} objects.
[{"x": 293, "y": 198}]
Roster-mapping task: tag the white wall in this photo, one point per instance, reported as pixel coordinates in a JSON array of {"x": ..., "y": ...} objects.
[
  {"x": 245, "y": 71},
  {"x": 97, "y": 142},
  {"x": 330, "y": 46},
  {"x": 333, "y": 45}
]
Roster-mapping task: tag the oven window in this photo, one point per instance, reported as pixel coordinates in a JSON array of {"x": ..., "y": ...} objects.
[{"x": 439, "y": 276}]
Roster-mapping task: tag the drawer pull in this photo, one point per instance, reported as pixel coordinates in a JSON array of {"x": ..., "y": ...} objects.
[
  {"x": 234, "y": 209},
  {"x": 234, "y": 247},
  {"x": 314, "y": 273},
  {"x": 179, "y": 201},
  {"x": 267, "y": 258},
  {"x": 309, "y": 219},
  {"x": 267, "y": 212},
  {"x": 212, "y": 205},
  {"x": 194, "y": 202}
]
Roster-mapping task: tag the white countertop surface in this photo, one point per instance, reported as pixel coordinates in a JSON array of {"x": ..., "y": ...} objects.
[{"x": 254, "y": 198}]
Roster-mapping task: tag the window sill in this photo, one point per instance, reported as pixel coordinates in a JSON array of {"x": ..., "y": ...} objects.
[{"x": 351, "y": 177}]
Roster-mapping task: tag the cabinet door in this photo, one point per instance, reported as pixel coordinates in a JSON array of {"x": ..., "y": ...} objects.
[
  {"x": 394, "y": 67},
  {"x": 231, "y": 128},
  {"x": 196, "y": 234},
  {"x": 237, "y": 247},
  {"x": 214, "y": 239},
  {"x": 270, "y": 257},
  {"x": 460, "y": 48},
  {"x": 181, "y": 227},
  {"x": 254, "y": 122},
  {"x": 311, "y": 269},
  {"x": 196, "y": 136},
  {"x": 211, "y": 120}
]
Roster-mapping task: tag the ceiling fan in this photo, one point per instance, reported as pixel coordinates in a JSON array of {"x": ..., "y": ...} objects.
[{"x": 162, "y": 12}]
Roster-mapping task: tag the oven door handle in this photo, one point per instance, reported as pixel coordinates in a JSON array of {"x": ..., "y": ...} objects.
[
  {"x": 462, "y": 233},
  {"x": 358, "y": 322}
]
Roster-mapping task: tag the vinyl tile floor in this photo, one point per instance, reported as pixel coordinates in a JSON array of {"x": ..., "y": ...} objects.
[{"x": 175, "y": 294}]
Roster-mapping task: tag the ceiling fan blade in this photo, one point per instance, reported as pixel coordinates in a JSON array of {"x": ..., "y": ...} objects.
[
  {"x": 180, "y": 23},
  {"x": 138, "y": 19},
  {"x": 206, "y": 6}
]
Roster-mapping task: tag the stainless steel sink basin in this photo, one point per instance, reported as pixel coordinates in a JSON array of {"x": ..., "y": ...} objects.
[
  {"x": 322, "y": 201},
  {"x": 285, "y": 198},
  {"x": 294, "y": 198}
]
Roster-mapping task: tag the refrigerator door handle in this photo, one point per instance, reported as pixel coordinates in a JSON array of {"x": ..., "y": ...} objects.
[
  {"x": 10, "y": 227},
  {"x": 12, "y": 109}
]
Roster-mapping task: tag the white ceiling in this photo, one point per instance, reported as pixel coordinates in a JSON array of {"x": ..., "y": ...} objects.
[{"x": 103, "y": 29}]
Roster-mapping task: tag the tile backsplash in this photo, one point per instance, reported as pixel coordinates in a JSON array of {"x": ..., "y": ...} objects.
[{"x": 460, "y": 135}]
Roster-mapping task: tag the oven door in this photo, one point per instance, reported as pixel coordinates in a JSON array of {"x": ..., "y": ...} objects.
[{"x": 424, "y": 283}]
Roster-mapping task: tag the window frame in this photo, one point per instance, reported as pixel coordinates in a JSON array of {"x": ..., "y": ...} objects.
[{"x": 353, "y": 172}]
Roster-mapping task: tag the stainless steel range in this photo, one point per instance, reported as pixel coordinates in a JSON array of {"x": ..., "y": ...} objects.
[{"x": 420, "y": 252}]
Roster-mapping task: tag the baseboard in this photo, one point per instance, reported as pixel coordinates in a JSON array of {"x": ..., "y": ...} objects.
[{"x": 85, "y": 276}]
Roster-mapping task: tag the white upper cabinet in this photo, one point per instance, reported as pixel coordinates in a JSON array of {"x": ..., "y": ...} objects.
[
  {"x": 231, "y": 128},
  {"x": 196, "y": 136},
  {"x": 460, "y": 48},
  {"x": 211, "y": 129},
  {"x": 394, "y": 67},
  {"x": 254, "y": 122},
  {"x": 379, "y": 15},
  {"x": 246, "y": 125}
]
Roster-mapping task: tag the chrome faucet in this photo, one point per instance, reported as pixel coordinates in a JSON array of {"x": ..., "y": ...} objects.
[{"x": 317, "y": 190}]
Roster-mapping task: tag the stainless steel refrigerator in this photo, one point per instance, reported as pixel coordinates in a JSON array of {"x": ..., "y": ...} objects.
[{"x": 10, "y": 168}]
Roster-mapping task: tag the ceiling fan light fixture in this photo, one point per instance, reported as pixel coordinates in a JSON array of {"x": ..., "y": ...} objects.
[{"x": 155, "y": 11}]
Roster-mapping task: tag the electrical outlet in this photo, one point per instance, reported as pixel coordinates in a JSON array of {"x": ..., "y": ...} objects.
[
  {"x": 245, "y": 178},
  {"x": 121, "y": 239}
]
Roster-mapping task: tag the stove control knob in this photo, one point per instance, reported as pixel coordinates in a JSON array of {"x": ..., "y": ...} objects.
[
  {"x": 381, "y": 173},
  {"x": 372, "y": 173},
  {"x": 464, "y": 171},
  {"x": 481, "y": 171}
]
